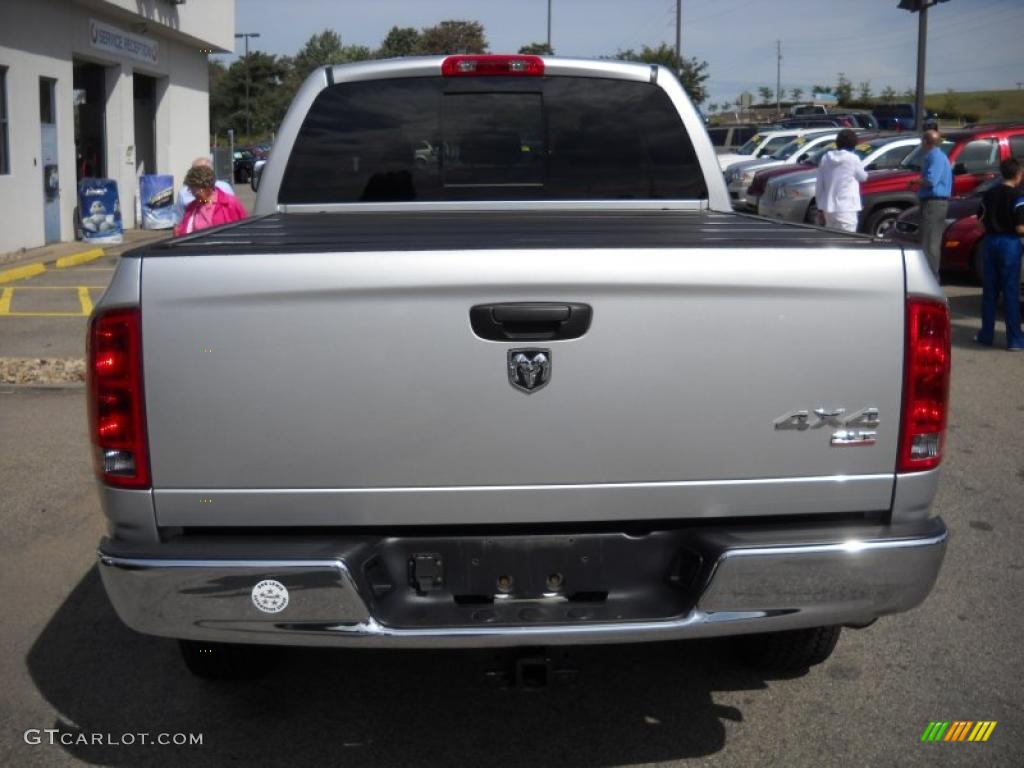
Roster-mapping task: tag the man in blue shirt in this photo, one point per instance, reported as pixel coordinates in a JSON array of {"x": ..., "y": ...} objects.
[{"x": 936, "y": 186}]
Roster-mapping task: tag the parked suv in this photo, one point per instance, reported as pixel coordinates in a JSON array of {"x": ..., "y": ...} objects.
[
  {"x": 728, "y": 138},
  {"x": 974, "y": 154}
]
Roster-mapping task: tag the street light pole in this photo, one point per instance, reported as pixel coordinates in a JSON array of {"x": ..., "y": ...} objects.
[
  {"x": 248, "y": 117},
  {"x": 920, "y": 7},
  {"x": 549, "y": 25},
  {"x": 922, "y": 41},
  {"x": 679, "y": 37}
]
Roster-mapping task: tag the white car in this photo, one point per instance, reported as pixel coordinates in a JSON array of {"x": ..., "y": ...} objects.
[
  {"x": 765, "y": 143},
  {"x": 739, "y": 175}
]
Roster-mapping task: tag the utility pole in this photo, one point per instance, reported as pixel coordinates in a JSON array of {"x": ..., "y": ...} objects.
[
  {"x": 679, "y": 37},
  {"x": 248, "y": 116},
  {"x": 778, "y": 78},
  {"x": 549, "y": 26}
]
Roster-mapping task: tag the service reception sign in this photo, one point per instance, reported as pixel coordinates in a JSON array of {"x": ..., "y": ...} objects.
[{"x": 106, "y": 37}]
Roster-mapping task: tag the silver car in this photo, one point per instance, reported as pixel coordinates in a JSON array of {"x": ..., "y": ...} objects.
[
  {"x": 791, "y": 197},
  {"x": 739, "y": 175}
]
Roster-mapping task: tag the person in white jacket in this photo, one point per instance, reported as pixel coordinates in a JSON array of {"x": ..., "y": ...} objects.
[{"x": 837, "y": 194}]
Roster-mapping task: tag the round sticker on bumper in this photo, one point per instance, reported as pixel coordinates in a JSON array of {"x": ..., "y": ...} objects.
[{"x": 270, "y": 596}]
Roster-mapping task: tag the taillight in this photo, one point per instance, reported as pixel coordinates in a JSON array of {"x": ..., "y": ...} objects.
[
  {"x": 117, "y": 416},
  {"x": 463, "y": 66},
  {"x": 925, "y": 386}
]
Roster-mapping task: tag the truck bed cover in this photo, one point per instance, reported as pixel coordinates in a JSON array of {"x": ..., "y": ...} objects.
[{"x": 501, "y": 230}]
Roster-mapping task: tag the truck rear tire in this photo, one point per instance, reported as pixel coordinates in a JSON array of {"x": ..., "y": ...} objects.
[
  {"x": 226, "y": 661},
  {"x": 788, "y": 651}
]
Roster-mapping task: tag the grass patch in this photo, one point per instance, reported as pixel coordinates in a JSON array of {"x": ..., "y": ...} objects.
[{"x": 989, "y": 106}]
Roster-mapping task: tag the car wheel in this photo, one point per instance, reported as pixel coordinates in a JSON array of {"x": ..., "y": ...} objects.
[
  {"x": 227, "y": 661},
  {"x": 788, "y": 651},
  {"x": 882, "y": 220},
  {"x": 812, "y": 214}
]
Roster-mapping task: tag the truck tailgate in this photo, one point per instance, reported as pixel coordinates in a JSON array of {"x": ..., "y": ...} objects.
[{"x": 348, "y": 388}]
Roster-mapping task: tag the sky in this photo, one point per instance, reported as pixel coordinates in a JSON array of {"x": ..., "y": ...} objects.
[{"x": 972, "y": 44}]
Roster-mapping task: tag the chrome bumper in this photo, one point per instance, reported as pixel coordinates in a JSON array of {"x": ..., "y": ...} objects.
[{"x": 814, "y": 579}]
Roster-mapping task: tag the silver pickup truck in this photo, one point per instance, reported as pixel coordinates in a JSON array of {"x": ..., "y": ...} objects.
[{"x": 541, "y": 389}]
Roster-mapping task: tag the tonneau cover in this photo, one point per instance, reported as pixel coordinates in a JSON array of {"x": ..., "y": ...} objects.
[{"x": 500, "y": 230}]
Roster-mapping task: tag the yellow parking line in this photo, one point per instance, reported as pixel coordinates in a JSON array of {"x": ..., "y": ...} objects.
[
  {"x": 42, "y": 314},
  {"x": 5, "y": 300},
  {"x": 59, "y": 287},
  {"x": 79, "y": 258},
  {"x": 21, "y": 273},
  {"x": 85, "y": 300}
]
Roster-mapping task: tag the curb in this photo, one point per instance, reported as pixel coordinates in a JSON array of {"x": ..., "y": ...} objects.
[
  {"x": 26, "y": 271},
  {"x": 10, "y": 389},
  {"x": 21, "y": 273},
  {"x": 82, "y": 257}
]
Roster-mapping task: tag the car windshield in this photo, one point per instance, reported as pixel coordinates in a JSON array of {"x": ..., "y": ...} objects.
[
  {"x": 789, "y": 149},
  {"x": 816, "y": 154},
  {"x": 750, "y": 145},
  {"x": 912, "y": 162},
  {"x": 774, "y": 145}
]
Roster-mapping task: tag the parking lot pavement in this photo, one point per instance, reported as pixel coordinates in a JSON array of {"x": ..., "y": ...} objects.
[
  {"x": 44, "y": 314},
  {"x": 69, "y": 664}
]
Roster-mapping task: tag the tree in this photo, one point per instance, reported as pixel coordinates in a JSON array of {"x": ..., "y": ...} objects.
[
  {"x": 822, "y": 89},
  {"x": 864, "y": 91},
  {"x": 766, "y": 94},
  {"x": 910, "y": 94},
  {"x": 843, "y": 90},
  {"x": 319, "y": 51},
  {"x": 399, "y": 41},
  {"x": 268, "y": 100},
  {"x": 537, "y": 49},
  {"x": 452, "y": 37},
  {"x": 324, "y": 49},
  {"x": 888, "y": 94},
  {"x": 796, "y": 93},
  {"x": 693, "y": 74}
]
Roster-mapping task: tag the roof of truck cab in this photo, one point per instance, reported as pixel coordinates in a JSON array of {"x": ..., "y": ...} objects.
[{"x": 500, "y": 230}]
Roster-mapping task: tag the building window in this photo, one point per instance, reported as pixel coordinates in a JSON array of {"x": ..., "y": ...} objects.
[
  {"x": 5, "y": 165},
  {"x": 47, "y": 109}
]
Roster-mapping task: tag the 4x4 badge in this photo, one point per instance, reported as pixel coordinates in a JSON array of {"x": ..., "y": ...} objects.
[{"x": 529, "y": 369}]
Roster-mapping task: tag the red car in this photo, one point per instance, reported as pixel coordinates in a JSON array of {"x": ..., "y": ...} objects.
[
  {"x": 975, "y": 154},
  {"x": 961, "y": 243}
]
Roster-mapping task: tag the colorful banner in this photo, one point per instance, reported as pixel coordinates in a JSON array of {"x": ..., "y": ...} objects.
[
  {"x": 99, "y": 211},
  {"x": 156, "y": 193}
]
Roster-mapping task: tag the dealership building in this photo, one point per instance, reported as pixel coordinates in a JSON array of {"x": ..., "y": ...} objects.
[{"x": 99, "y": 88}]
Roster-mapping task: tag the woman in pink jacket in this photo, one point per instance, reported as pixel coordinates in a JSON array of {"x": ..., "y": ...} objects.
[{"x": 212, "y": 207}]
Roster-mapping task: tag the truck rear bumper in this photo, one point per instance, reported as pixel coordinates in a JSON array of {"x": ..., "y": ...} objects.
[{"x": 745, "y": 580}]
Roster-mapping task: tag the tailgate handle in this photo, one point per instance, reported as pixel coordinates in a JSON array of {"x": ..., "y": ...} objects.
[{"x": 530, "y": 321}]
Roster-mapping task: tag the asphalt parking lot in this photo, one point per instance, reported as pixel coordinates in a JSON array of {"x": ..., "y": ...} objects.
[{"x": 69, "y": 665}]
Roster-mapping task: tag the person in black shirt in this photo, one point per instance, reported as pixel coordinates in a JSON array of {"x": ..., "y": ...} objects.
[{"x": 1002, "y": 215}]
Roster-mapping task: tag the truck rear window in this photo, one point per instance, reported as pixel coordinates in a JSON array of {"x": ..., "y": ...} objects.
[{"x": 491, "y": 138}]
